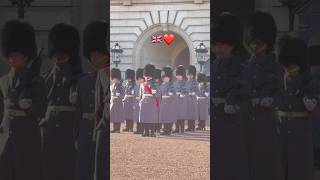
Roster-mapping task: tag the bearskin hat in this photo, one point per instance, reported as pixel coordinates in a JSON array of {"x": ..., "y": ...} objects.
[
  {"x": 115, "y": 73},
  {"x": 192, "y": 70},
  {"x": 167, "y": 72},
  {"x": 201, "y": 77},
  {"x": 294, "y": 50},
  {"x": 227, "y": 29},
  {"x": 157, "y": 74},
  {"x": 262, "y": 26},
  {"x": 130, "y": 74},
  {"x": 18, "y": 36},
  {"x": 180, "y": 71},
  {"x": 139, "y": 73},
  {"x": 64, "y": 38},
  {"x": 149, "y": 70},
  {"x": 95, "y": 37}
]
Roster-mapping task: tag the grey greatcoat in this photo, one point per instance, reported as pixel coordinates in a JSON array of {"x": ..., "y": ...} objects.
[
  {"x": 203, "y": 101},
  {"x": 230, "y": 128},
  {"x": 148, "y": 103},
  {"x": 85, "y": 137},
  {"x": 60, "y": 123},
  {"x": 296, "y": 131},
  {"x": 265, "y": 77},
  {"x": 136, "y": 106},
  {"x": 192, "y": 107},
  {"x": 102, "y": 109},
  {"x": 129, "y": 100},
  {"x": 167, "y": 106},
  {"x": 116, "y": 105},
  {"x": 20, "y": 139},
  {"x": 181, "y": 106}
]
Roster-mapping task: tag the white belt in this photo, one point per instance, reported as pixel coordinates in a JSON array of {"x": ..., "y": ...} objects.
[
  {"x": 166, "y": 97},
  {"x": 148, "y": 95},
  {"x": 16, "y": 113},
  {"x": 137, "y": 98},
  {"x": 90, "y": 116},
  {"x": 61, "y": 108},
  {"x": 202, "y": 97},
  {"x": 129, "y": 96}
]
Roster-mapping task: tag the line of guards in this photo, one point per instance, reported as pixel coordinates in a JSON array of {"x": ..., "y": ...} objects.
[
  {"x": 53, "y": 126},
  {"x": 157, "y": 100},
  {"x": 266, "y": 110}
]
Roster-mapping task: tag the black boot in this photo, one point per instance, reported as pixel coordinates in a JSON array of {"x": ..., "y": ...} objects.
[
  {"x": 131, "y": 126},
  {"x": 153, "y": 127},
  {"x": 127, "y": 126},
  {"x": 182, "y": 126},
  {"x": 145, "y": 130},
  {"x": 139, "y": 128}
]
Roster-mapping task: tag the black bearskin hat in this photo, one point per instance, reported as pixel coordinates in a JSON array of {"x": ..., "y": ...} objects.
[
  {"x": 262, "y": 26},
  {"x": 139, "y": 73},
  {"x": 167, "y": 72},
  {"x": 130, "y": 74},
  {"x": 180, "y": 71},
  {"x": 227, "y": 29},
  {"x": 192, "y": 70},
  {"x": 64, "y": 38},
  {"x": 95, "y": 37},
  {"x": 201, "y": 77},
  {"x": 294, "y": 50},
  {"x": 18, "y": 36},
  {"x": 115, "y": 73},
  {"x": 149, "y": 70},
  {"x": 157, "y": 74}
]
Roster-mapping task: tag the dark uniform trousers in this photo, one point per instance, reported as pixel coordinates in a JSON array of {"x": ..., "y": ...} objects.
[{"x": 20, "y": 139}]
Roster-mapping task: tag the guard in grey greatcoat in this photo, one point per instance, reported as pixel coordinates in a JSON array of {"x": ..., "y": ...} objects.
[
  {"x": 181, "y": 99},
  {"x": 136, "y": 106},
  {"x": 20, "y": 139},
  {"x": 129, "y": 99},
  {"x": 230, "y": 102},
  {"x": 192, "y": 89},
  {"x": 296, "y": 125},
  {"x": 148, "y": 115},
  {"x": 202, "y": 101},
  {"x": 314, "y": 97},
  {"x": 60, "y": 124},
  {"x": 116, "y": 106},
  {"x": 96, "y": 52},
  {"x": 167, "y": 114},
  {"x": 95, "y": 48},
  {"x": 158, "y": 81},
  {"x": 265, "y": 77}
]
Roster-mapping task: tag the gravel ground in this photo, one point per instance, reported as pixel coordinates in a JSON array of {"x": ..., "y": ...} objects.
[{"x": 183, "y": 157}]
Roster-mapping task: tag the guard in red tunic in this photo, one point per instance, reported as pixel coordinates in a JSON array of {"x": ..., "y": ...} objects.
[{"x": 149, "y": 102}]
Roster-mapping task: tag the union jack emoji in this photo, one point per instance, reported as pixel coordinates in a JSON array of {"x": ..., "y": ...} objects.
[{"x": 156, "y": 39}]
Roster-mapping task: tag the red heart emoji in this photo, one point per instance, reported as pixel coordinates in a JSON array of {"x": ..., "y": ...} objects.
[{"x": 168, "y": 38}]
